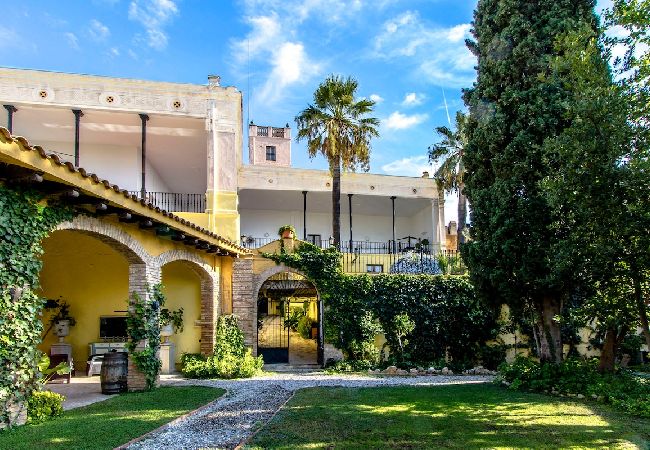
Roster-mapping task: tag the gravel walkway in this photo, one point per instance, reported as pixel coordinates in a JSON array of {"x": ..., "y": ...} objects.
[{"x": 252, "y": 402}]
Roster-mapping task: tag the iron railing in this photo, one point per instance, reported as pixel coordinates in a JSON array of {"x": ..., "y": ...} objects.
[
  {"x": 386, "y": 256},
  {"x": 175, "y": 201},
  {"x": 273, "y": 132}
]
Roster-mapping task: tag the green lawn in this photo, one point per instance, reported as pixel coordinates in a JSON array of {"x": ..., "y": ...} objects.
[
  {"x": 110, "y": 423},
  {"x": 460, "y": 416}
]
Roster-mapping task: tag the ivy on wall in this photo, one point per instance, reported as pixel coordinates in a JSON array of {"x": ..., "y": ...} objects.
[
  {"x": 447, "y": 314},
  {"x": 143, "y": 328},
  {"x": 25, "y": 220}
]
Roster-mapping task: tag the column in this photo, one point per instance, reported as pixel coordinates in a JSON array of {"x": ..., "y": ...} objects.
[
  {"x": 11, "y": 109},
  {"x": 143, "y": 189},
  {"x": 392, "y": 199},
  {"x": 78, "y": 114},
  {"x": 141, "y": 278},
  {"x": 304, "y": 215},
  {"x": 350, "y": 213}
]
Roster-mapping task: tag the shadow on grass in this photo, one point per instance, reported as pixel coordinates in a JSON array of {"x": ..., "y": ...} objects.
[
  {"x": 110, "y": 423},
  {"x": 477, "y": 416}
]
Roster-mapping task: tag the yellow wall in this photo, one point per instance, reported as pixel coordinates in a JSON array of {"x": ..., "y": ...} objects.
[
  {"x": 183, "y": 289},
  {"x": 226, "y": 285},
  {"x": 92, "y": 278}
]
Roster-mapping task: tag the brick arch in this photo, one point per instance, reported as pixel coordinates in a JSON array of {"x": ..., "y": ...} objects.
[
  {"x": 262, "y": 277},
  {"x": 210, "y": 290},
  {"x": 111, "y": 235}
]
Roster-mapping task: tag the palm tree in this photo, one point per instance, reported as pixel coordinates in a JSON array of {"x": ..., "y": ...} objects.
[
  {"x": 452, "y": 169},
  {"x": 336, "y": 126}
]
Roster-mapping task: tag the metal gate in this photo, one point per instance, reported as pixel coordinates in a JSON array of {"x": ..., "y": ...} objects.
[{"x": 273, "y": 337}]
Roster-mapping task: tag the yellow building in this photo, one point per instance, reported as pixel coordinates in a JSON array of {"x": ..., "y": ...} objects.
[{"x": 159, "y": 171}]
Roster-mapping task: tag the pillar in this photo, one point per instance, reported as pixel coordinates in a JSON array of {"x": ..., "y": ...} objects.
[
  {"x": 78, "y": 114},
  {"x": 141, "y": 278}
]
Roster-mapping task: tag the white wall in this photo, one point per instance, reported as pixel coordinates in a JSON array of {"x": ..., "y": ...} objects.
[
  {"x": 118, "y": 164},
  {"x": 256, "y": 223}
]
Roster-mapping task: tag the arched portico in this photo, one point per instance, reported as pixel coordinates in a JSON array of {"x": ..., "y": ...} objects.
[{"x": 209, "y": 297}]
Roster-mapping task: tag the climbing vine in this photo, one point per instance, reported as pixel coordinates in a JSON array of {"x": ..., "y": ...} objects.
[
  {"x": 440, "y": 314},
  {"x": 143, "y": 328},
  {"x": 26, "y": 218}
]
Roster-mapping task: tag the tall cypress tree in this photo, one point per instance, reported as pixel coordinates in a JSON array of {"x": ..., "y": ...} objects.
[{"x": 515, "y": 105}]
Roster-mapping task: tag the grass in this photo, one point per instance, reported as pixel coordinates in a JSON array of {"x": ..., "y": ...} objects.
[
  {"x": 460, "y": 416},
  {"x": 110, "y": 423}
]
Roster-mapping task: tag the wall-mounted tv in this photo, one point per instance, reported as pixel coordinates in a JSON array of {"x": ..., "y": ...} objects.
[{"x": 112, "y": 327}]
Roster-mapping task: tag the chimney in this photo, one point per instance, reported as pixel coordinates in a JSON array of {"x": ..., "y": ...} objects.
[{"x": 214, "y": 81}]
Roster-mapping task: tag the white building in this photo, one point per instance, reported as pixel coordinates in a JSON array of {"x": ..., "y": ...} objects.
[{"x": 181, "y": 146}]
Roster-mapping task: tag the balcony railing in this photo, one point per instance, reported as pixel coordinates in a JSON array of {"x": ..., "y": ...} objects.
[
  {"x": 384, "y": 257},
  {"x": 274, "y": 132},
  {"x": 174, "y": 201}
]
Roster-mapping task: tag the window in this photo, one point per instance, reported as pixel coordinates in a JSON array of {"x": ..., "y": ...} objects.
[
  {"x": 314, "y": 239},
  {"x": 374, "y": 268},
  {"x": 270, "y": 152}
]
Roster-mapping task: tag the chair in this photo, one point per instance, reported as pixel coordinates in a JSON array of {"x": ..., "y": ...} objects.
[{"x": 94, "y": 365}]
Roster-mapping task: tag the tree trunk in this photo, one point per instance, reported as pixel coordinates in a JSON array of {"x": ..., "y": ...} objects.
[
  {"x": 643, "y": 312},
  {"x": 548, "y": 330},
  {"x": 335, "y": 168},
  {"x": 608, "y": 353},
  {"x": 462, "y": 215}
]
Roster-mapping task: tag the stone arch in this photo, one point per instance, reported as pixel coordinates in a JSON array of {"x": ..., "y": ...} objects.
[
  {"x": 111, "y": 235},
  {"x": 210, "y": 291},
  {"x": 143, "y": 272}
]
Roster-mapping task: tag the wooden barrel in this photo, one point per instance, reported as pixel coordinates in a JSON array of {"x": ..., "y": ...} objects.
[{"x": 113, "y": 373}]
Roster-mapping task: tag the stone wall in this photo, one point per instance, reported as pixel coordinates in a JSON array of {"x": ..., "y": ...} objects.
[{"x": 244, "y": 303}]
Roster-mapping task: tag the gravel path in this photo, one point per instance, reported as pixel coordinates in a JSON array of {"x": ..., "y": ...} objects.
[{"x": 252, "y": 402}]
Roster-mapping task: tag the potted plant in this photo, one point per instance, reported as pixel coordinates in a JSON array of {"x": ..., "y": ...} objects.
[
  {"x": 61, "y": 321},
  {"x": 171, "y": 322},
  {"x": 287, "y": 232}
]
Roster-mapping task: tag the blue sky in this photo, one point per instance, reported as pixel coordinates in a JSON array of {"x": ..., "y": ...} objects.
[{"x": 404, "y": 53}]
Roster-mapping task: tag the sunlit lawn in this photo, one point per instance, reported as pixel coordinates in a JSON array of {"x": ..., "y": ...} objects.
[
  {"x": 459, "y": 416},
  {"x": 110, "y": 423}
]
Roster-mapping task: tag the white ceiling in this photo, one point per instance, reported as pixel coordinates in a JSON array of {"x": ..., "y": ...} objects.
[
  {"x": 321, "y": 202},
  {"x": 176, "y": 146}
]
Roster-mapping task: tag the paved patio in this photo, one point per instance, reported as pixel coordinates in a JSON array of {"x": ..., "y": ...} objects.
[{"x": 81, "y": 391}]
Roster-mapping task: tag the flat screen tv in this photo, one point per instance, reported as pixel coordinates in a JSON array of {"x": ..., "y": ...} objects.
[{"x": 112, "y": 327}]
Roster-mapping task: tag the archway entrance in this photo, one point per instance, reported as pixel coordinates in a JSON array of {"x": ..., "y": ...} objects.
[{"x": 288, "y": 325}]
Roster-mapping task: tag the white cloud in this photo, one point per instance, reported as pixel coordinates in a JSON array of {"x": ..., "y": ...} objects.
[
  {"x": 73, "y": 41},
  {"x": 439, "y": 54},
  {"x": 114, "y": 51},
  {"x": 98, "y": 31},
  {"x": 272, "y": 40},
  {"x": 376, "y": 98},
  {"x": 290, "y": 66},
  {"x": 399, "y": 121},
  {"x": 412, "y": 99},
  {"x": 154, "y": 15},
  {"x": 132, "y": 54},
  {"x": 412, "y": 167}
]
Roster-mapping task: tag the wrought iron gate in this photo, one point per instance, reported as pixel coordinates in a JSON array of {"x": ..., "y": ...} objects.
[{"x": 273, "y": 337}]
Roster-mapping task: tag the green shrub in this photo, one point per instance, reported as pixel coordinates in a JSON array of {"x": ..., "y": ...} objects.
[
  {"x": 349, "y": 366},
  {"x": 574, "y": 376},
  {"x": 304, "y": 327},
  {"x": 44, "y": 405},
  {"x": 231, "y": 358}
]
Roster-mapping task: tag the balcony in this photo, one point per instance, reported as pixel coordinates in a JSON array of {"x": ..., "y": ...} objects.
[
  {"x": 271, "y": 131},
  {"x": 384, "y": 257},
  {"x": 174, "y": 201}
]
